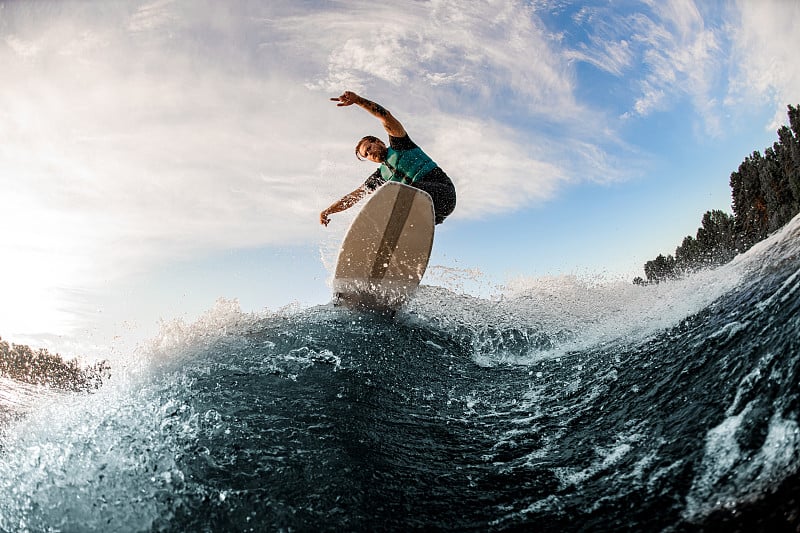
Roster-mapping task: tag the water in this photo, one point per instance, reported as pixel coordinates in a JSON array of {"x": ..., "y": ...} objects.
[{"x": 562, "y": 406}]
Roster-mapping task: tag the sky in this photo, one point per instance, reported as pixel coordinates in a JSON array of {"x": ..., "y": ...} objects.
[{"x": 157, "y": 156}]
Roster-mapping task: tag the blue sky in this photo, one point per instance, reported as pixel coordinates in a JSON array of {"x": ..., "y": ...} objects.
[{"x": 158, "y": 155}]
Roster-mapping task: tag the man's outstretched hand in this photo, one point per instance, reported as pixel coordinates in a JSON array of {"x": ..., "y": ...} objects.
[
  {"x": 324, "y": 219},
  {"x": 347, "y": 98}
]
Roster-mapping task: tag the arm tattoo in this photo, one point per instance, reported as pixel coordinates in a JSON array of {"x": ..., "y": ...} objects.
[{"x": 377, "y": 109}]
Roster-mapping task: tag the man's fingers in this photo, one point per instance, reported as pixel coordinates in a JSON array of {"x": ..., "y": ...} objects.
[{"x": 345, "y": 99}]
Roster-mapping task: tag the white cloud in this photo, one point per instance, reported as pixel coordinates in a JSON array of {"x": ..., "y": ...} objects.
[
  {"x": 732, "y": 55},
  {"x": 765, "y": 43},
  {"x": 139, "y": 132},
  {"x": 681, "y": 56},
  {"x": 496, "y": 171},
  {"x": 608, "y": 47},
  {"x": 22, "y": 48},
  {"x": 115, "y": 156},
  {"x": 152, "y": 16},
  {"x": 487, "y": 54},
  {"x": 472, "y": 82},
  {"x": 145, "y": 132},
  {"x": 666, "y": 49}
]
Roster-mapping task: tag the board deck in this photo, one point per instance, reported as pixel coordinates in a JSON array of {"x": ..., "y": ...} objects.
[{"x": 386, "y": 249}]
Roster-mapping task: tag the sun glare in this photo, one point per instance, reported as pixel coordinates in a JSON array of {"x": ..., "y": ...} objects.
[{"x": 41, "y": 267}]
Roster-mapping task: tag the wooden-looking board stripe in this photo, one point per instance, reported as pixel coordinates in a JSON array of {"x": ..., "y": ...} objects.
[{"x": 394, "y": 228}]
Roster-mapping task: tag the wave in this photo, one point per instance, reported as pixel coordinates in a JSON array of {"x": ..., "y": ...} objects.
[{"x": 560, "y": 404}]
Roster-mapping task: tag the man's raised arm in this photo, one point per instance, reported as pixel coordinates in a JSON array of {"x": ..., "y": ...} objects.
[{"x": 390, "y": 124}]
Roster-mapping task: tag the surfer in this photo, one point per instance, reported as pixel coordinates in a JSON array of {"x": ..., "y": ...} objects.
[{"x": 402, "y": 161}]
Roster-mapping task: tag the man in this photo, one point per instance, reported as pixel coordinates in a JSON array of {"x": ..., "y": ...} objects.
[{"x": 402, "y": 161}]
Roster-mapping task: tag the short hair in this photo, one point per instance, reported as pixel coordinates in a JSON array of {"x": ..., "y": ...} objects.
[{"x": 370, "y": 138}]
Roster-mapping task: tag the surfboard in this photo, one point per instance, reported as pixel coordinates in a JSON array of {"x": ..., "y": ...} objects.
[{"x": 386, "y": 250}]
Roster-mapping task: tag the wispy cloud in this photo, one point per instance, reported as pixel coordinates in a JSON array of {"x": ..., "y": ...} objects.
[
  {"x": 666, "y": 49},
  {"x": 764, "y": 62},
  {"x": 136, "y": 132},
  {"x": 121, "y": 149},
  {"x": 456, "y": 72},
  {"x": 164, "y": 118},
  {"x": 489, "y": 51},
  {"x": 608, "y": 45},
  {"x": 681, "y": 54},
  {"x": 716, "y": 59}
]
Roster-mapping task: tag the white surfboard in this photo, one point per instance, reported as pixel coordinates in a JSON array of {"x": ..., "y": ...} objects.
[{"x": 386, "y": 250}]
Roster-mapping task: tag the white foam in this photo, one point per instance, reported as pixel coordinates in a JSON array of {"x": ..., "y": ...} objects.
[
  {"x": 88, "y": 459},
  {"x": 729, "y": 476},
  {"x": 569, "y": 312},
  {"x": 577, "y": 313}
]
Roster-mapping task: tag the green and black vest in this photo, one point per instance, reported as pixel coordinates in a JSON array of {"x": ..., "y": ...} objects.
[{"x": 406, "y": 166}]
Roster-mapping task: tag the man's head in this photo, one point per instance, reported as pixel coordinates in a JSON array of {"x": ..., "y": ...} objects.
[{"x": 371, "y": 148}]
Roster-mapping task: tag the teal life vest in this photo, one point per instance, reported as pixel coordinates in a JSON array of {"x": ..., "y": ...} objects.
[{"x": 406, "y": 166}]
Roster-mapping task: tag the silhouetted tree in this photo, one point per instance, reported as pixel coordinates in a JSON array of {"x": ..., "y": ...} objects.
[
  {"x": 687, "y": 255},
  {"x": 765, "y": 194},
  {"x": 40, "y": 367},
  {"x": 775, "y": 185},
  {"x": 716, "y": 238},
  {"x": 660, "y": 269},
  {"x": 749, "y": 204}
]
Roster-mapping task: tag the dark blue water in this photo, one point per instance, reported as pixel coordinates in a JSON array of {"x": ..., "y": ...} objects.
[{"x": 562, "y": 406}]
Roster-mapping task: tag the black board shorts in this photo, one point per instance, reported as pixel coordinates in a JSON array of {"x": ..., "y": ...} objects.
[
  {"x": 442, "y": 191},
  {"x": 436, "y": 183}
]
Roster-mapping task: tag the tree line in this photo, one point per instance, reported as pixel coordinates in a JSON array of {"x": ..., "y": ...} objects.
[
  {"x": 766, "y": 195},
  {"x": 40, "y": 367}
]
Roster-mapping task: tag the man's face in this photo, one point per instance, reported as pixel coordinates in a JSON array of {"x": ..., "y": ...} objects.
[{"x": 374, "y": 151}]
